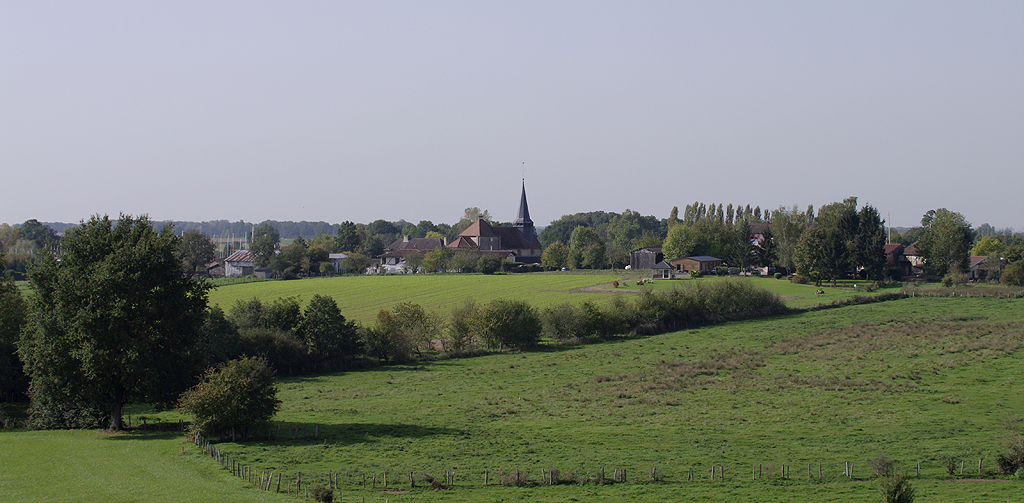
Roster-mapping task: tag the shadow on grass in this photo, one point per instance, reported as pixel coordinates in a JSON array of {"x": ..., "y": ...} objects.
[{"x": 292, "y": 434}]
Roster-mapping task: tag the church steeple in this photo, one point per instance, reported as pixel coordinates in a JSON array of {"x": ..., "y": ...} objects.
[{"x": 522, "y": 221}]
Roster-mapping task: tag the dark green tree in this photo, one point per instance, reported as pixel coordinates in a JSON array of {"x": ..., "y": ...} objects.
[
  {"x": 868, "y": 244},
  {"x": 42, "y": 235},
  {"x": 114, "y": 322},
  {"x": 348, "y": 239},
  {"x": 235, "y": 397},
  {"x": 264, "y": 244},
  {"x": 325, "y": 330},
  {"x": 13, "y": 316},
  {"x": 946, "y": 242},
  {"x": 196, "y": 251}
]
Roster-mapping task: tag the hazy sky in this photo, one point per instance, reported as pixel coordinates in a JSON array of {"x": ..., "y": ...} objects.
[{"x": 416, "y": 110}]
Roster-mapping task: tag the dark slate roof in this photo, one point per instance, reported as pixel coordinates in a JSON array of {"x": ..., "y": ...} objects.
[
  {"x": 662, "y": 265},
  {"x": 705, "y": 258},
  {"x": 511, "y": 238},
  {"x": 523, "y": 217},
  {"x": 415, "y": 244}
]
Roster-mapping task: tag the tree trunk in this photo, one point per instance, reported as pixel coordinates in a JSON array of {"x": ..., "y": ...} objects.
[{"x": 115, "y": 417}]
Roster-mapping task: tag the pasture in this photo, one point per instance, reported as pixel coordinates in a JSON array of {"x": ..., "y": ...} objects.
[
  {"x": 922, "y": 380},
  {"x": 361, "y": 297}
]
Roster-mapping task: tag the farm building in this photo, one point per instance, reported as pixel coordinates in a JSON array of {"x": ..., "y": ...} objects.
[
  {"x": 238, "y": 264},
  {"x": 645, "y": 258},
  {"x": 702, "y": 263}
]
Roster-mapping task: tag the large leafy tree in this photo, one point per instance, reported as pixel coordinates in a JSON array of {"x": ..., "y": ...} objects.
[
  {"x": 868, "y": 251},
  {"x": 196, "y": 250},
  {"x": 325, "y": 330},
  {"x": 946, "y": 242},
  {"x": 13, "y": 314},
  {"x": 113, "y": 322},
  {"x": 265, "y": 239}
]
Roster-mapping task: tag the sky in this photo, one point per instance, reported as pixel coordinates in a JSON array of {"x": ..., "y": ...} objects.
[{"x": 333, "y": 111}]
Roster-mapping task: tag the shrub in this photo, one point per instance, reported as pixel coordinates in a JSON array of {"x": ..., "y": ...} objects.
[
  {"x": 489, "y": 264},
  {"x": 695, "y": 274},
  {"x": 954, "y": 278},
  {"x": 283, "y": 350},
  {"x": 800, "y": 280},
  {"x": 1014, "y": 274},
  {"x": 894, "y": 272},
  {"x": 567, "y": 321},
  {"x": 734, "y": 271},
  {"x": 463, "y": 327},
  {"x": 238, "y": 395},
  {"x": 778, "y": 275},
  {"x": 894, "y": 485},
  {"x": 407, "y": 328},
  {"x": 321, "y": 493},
  {"x": 510, "y": 323},
  {"x": 1012, "y": 462}
]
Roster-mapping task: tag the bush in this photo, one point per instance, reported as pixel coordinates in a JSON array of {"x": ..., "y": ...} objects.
[
  {"x": 894, "y": 272},
  {"x": 399, "y": 333},
  {"x": 321, "y": 493},
  {"x": 238, "y": 395},
  {"x": 800, "y": 280},
  {"x": 734, "y": 271},
  {"x": 1012, "y": 462},
  {"x": 568, "y": 321},
  {"x": 1013, "y": 275},
  {"x": 954, "y": 278},
  {"x": 489, "y": 264},
  {"x": 283, "y": 350},
  {"x": 510, "y": 323},
  {"x": 695, "y": 274},
  {"x": 778, "y": 275},
  {"x": 894, "y": 485}
]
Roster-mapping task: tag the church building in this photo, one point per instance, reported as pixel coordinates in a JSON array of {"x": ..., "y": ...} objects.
[{"x": 520, "y": 238}]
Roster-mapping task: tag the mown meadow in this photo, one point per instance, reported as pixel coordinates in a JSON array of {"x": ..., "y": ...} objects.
[
  {"x": 921, "y": 380},
  {"x": 361, "y": 297}
]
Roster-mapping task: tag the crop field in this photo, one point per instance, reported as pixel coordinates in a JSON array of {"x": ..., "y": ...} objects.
[{"x": 361, "y": 297}]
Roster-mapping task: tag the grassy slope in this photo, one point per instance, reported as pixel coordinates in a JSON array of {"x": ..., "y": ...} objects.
[
  {"x": 823, "y": 400},
  {"x": 84, "y": 466},
  {"x": 915, "y": 391}
]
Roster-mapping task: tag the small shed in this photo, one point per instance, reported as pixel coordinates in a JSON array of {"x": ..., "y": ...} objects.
[
  {"x": 702, "y": 263},
  {"x": 662, "y": 270}
]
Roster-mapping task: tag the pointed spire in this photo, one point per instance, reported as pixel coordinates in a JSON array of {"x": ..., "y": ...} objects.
[{"x": 523, "y": 221}]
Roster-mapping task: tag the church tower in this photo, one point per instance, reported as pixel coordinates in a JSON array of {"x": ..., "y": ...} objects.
[{"x": 522, "y": 221}]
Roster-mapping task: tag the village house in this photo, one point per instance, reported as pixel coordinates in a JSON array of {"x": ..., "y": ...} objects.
[{"x": 701, "y": 263}]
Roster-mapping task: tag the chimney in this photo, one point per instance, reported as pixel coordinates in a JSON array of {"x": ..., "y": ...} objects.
[{"x": 405, "y": 239}]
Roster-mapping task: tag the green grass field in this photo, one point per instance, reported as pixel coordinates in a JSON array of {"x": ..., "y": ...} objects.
[
  {"x": 918, "y": 379},
  {"x": 361, "y": 297}
]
